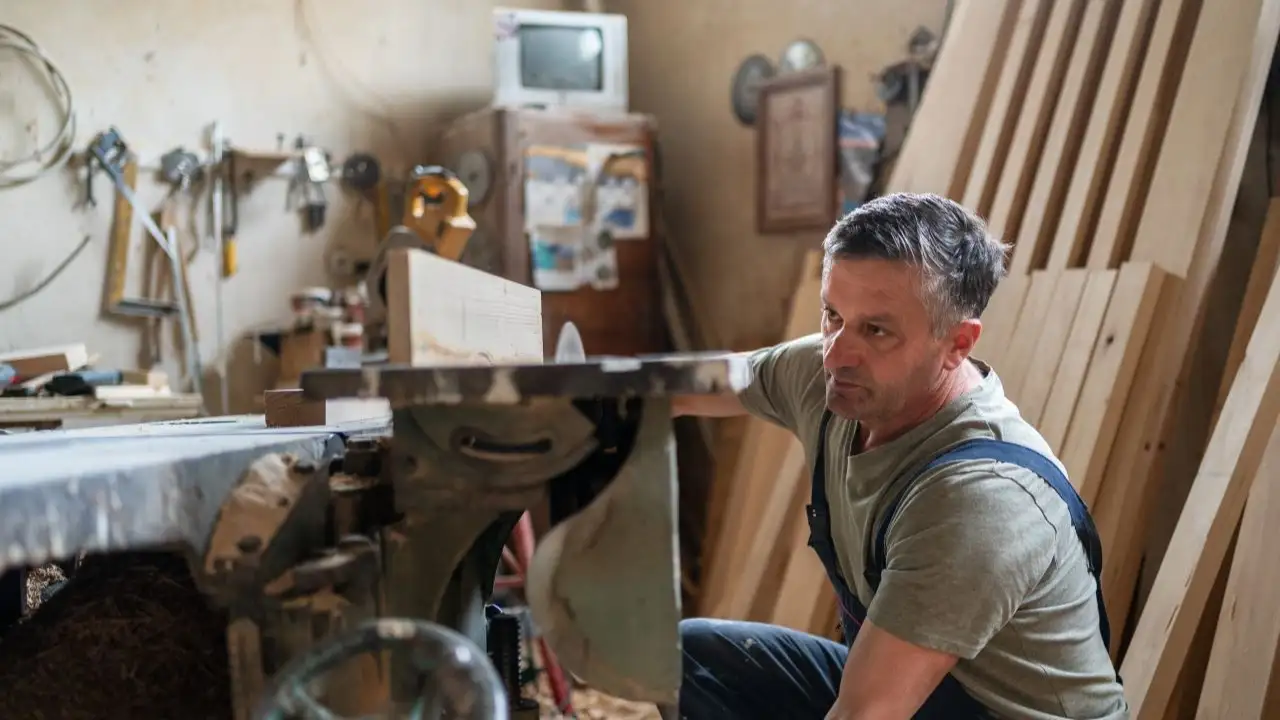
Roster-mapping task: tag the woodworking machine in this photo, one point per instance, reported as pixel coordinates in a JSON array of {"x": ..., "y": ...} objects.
[{"x": 356, "y": 562}]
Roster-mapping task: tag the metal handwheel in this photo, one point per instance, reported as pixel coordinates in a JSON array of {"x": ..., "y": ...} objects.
[{"x": 457, "y": 681}]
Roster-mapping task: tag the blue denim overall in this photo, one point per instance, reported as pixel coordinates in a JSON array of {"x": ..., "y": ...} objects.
[{"x": 949, "y": 700}]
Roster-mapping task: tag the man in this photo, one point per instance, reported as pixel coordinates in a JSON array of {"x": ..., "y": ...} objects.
[{"x": 967, "y": 581}]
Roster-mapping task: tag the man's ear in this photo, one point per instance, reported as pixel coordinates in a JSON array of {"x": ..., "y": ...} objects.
[{"x": 964, "y": 336}]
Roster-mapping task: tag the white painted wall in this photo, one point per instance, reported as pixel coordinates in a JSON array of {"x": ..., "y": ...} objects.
[{"x": 371, "y": 76}]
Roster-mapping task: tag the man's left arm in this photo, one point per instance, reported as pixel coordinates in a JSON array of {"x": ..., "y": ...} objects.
[{"x": 962, "y": 556}]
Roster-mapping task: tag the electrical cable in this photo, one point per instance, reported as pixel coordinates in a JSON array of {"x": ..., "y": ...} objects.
[{"x": 58, "y": 149}]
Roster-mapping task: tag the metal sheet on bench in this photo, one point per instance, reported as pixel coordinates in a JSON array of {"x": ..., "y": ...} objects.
[{"x": 140, "y": 486}]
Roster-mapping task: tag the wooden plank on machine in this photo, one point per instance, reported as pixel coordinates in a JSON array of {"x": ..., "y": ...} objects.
[
  {"x": 1051, "y": 344},
  {"x": 441, "y": 312},
  {"x": 953, "y": 108},
  {"x": 1034, "y": 115},
  {"x": 1055, "y": 419},
  {"x": 1237, "y": 682},
  {"x": 1147, "y": 421},
  {"x": 1144, "y": 127},
  {"x": 1097, "y": 151},
  {"x": 1209, "y": 518},
  {"x": 1057, "y": 160},
  {"x": 1112, "y": 366},
  {"x": 1015, "y": 75}
]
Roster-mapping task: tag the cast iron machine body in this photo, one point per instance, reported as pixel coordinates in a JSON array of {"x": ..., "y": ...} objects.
[{"x": 334, "y": 550}]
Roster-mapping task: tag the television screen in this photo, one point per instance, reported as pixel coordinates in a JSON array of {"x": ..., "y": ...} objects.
[{"x": 561, "y": 57}]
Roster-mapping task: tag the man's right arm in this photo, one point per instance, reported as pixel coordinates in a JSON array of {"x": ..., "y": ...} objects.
[{"x": 780, "y": 377}]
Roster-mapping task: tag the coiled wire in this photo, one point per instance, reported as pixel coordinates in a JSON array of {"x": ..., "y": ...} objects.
[{"x": 57, "y": 150}]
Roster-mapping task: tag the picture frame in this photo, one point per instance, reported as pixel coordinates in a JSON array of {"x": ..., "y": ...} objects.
[{"x": 797, "y": 152}]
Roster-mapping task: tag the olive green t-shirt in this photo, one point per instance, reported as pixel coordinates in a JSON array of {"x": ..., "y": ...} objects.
[{"x": 982, "y": 561}]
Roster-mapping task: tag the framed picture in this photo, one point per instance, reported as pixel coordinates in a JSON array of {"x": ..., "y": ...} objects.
[{"x": 797, "y": 186}]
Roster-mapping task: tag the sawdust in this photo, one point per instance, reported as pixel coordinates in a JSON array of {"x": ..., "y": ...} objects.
[
  {"x": 128, "y": 636},
  {"x": 590, "y": 704},
  {"x": 593, "y": 705}
]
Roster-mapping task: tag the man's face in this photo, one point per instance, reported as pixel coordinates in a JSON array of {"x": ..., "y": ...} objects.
[{"x": 878, "y": 346}]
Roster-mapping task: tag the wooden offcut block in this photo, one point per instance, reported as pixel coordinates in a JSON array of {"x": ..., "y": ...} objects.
[{"x": 289, "y": 408}]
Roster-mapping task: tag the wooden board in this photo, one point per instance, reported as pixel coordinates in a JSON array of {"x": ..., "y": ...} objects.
[
  {"x": 1217, "y": 64},
  {"x": 1058, "y": 157},
  {"x": 33, "y": 362},
  {"x": 764, "y": 554},
  {"x": 1016, "y": 363},
  {"x": 760, "y": 458},
  {"x": 1051, "y": 344},
  {"x": 1265, "y": 265},
  {"x": 805, "y": 598},
  {"x": 1144, "y": 127},
  {"x": 1237, "y": 682},
  {"x": 1148, "y": 422},
  {"x": 288, "y": 408},
  {"x": 1055, "y": 419},
  {"x": 1015, "y": 75},
  {"x": 1111, "y": 369},
  {"x": 956, "y": 100},
  {"x": 1000, "y": 319},
  {"x": 1231, "y": 462},
  {"x": 1097, "y": 152},
  {"x": 1035, "y": 112},
  {"x": 440, "y": 312}
]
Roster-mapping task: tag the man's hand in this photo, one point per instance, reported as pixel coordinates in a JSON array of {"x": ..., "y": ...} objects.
[
  {"x": 715, "y": 406},
  {"x": 886, "y": 678}
]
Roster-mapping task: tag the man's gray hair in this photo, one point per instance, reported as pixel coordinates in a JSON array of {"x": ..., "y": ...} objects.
[{"x": 960, "y": 263}]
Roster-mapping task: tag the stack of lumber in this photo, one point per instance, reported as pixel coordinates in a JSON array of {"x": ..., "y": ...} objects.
[{"x": 1106, "y": 141}]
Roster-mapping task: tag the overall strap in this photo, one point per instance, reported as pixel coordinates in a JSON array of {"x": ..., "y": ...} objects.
[
  {"x": 1025, "y": 457},
  {"x": 818, "y": 515}
]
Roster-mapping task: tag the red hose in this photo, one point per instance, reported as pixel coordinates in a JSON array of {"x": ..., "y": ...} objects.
[{"x": 524, "y": 542}]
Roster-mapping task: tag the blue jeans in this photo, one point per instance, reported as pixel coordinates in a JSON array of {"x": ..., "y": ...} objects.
[{"x": 743, "y": 670}]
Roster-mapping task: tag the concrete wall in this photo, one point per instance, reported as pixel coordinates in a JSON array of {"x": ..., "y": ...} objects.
[
  {"x": 681, "y": 71},
  {"x": 350, "y": 75}
]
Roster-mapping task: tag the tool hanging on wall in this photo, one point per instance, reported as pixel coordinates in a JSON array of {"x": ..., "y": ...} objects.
[
  {"x": 306, "y": 189},
  {"x": 109, "y": 153}
]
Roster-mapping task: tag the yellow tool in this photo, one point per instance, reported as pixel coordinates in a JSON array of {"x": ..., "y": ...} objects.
[{"x": 436, "y": 209}]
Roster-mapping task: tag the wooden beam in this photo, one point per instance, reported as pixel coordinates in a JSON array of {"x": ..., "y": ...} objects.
[
  {"x": 1051, "y": 344},
  {"x": 440, "y": 312},
  {"x": 1265, "y": 265},
  {"x": 1057, "y": 160},
  {"x": 1055, "y": 419},
  {"x": 760, "y": 458},
  {"x": 1016, "y": 363},
  {"x": 1000, "y": 320},
  {"x": 1097, "y": 152},
  {"x": 1015, "y": 75},
  {"x": 1237, "y": 682},
  {"x": 1035, "y": 113},
  {"x": 1148, "y": 421},
  {"x": 1111, "y": 370},
  {"x": 1231, "y": 462},
  {"x": 1143, "y": 132},
  {"x": 956, "y": 100}
]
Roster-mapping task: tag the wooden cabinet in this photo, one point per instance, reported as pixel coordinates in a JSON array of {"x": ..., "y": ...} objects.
[{"x": 626, "y": 320}]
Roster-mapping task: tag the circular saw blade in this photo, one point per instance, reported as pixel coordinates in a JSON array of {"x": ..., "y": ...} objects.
[
  {"x": 745, "y": 94},
  {"x": 569, "y": 345}
]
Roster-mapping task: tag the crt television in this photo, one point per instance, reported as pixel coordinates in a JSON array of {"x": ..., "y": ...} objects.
[{"x": 553, "y": 58}]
